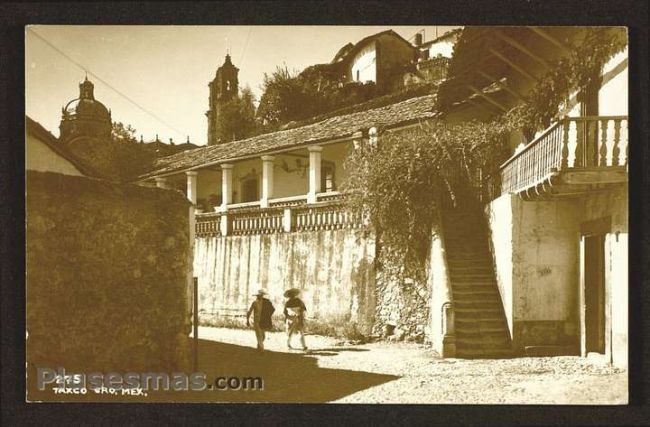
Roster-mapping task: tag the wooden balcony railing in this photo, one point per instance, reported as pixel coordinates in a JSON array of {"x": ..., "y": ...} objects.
[{"x": 572, "y": 143}]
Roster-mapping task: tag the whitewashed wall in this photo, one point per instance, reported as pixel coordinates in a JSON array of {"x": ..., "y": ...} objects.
[
  {"x": 366, "y": 63},
  {"x": 334, "y": 269}
]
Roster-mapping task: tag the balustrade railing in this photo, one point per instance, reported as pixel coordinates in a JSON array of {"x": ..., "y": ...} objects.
[
  {"x": 282, "y": 215},
  {"x": 330, "y": 196},
  {"x": 258, "y": 221},
  {"x": 288, "y": 201},
  {"x": 325, "y": 217},
  {"x": 208, "y": 224},
  {"x": 572, "y": 143}
]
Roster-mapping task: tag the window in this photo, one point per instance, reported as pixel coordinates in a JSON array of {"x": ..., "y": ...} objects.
[
  {"x": 358, "y": 75},
  {"x": 227, "y": 84},
  {"x": 327, "y": 182}
]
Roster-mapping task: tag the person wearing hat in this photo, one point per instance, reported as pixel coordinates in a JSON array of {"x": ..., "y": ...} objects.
[
  {"x": 262, "y": 309},
  {"x": 294, "y": 315}
]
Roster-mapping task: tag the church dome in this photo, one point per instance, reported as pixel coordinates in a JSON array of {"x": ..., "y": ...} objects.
[
  {"x": 85, "y": 116},
  {"x": 86, "y": 104}
]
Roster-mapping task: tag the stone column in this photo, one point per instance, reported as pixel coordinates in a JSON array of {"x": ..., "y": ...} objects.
[
  {"x": 161, "y": 182},
  {"x": 372, "y": 136},
  {"x": 191, "y": 185},
  {"x": 226, "y": 185},
  {"x": 267, "y": 180},
  {"x": 314, "y": 172}
]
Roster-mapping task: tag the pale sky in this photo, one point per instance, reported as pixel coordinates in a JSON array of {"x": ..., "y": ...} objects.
[{"x": 166, "y": 69}]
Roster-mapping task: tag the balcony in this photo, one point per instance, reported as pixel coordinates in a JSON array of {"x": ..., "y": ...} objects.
[
  {"x": 572, "y": 157},
  {"x": 283, "y": 215}
]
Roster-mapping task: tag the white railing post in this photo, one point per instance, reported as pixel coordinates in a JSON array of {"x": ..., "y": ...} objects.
[
  {"x": 287, "y": 220},
  {"x": 267, "y": 180},
  {"x": 314, "y": 172}
]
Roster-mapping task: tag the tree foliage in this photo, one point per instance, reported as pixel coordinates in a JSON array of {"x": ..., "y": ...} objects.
[
  {"x": 238, "y": 117},
  {"x": 400, "y": 182},
  {"x": 289, "y": 96},
  {"x": 122, "y": 133}
]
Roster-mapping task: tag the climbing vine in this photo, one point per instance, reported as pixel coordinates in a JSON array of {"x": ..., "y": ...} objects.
[{"x": 399, "y": 183}]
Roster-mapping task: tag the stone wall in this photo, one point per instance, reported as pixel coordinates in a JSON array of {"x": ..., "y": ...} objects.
[
  {"x": 403, "y": 308},
  {"x": 107, "y": 269},
  {"x": 334, "y": 268}
]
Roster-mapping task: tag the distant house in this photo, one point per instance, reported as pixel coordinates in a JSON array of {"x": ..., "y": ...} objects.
[
  {"x": 381, "y": 58},
  {"x": 434, "y": 55},
  {"x": 44, "y": 153}
]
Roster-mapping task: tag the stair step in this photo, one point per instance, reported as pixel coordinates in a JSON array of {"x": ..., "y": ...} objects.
[
  {"x": 454, "y": 273},
  {"x": 477, "y": 324},
  {"x": 461, "y": 281},
  {"x": 483, "y": 354},
  {"x": 464, "y": 252},
  {"x": 482, "y": 343},
  {"x": 493, "y": 317},
  {"x": 472, "y": 268},
  {"x": 479, "y": 304},
  {"x": 462, "y": 257},
  {"x": 473, "y": 330},
  {"x": 496, "y": 309},
  {"x": 479, "y": 293}
]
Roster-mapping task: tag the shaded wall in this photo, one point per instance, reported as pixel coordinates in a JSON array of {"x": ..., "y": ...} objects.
[
  {"x": 334, "y": 268},
  {"x": 536, "y": 253},
  {"x": 536, "y": 249},
  {"x": 107, "y": 269}
]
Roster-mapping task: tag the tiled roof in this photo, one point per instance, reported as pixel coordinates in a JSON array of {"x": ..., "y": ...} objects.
[{"x": 411, "y": 110}]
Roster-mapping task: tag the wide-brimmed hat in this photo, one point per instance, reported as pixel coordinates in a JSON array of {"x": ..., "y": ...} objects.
[
  {"x": 261, "y": 292},
  {"x": 291, "y": 292}
]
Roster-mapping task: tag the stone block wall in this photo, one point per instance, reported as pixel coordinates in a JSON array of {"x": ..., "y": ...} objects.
[{"x": 106, "y": 279}]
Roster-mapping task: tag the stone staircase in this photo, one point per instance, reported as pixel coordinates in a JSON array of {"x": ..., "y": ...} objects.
[{"x": 480, "y": 324}]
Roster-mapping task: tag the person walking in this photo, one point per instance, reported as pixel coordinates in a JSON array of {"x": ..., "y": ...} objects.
[
  {"x": 294, "y": 315},
  {"x": 262, "y": 309}
]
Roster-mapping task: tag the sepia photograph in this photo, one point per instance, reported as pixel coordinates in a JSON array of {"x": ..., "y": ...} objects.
[{"x": 326, "y": 214}]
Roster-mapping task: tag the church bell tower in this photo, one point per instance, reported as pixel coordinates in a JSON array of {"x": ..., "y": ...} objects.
[{"x": 223, "y": 89}]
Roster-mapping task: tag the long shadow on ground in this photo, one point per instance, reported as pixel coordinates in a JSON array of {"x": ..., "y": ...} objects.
[{"x": 287, "y": 378}]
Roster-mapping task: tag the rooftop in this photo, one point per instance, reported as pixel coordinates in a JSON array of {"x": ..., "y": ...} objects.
[{"x": 399, "y": 113}]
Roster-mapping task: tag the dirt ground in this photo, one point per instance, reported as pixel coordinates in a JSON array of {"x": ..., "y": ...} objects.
[
  {"x": 379, "y": 372},
  {"x": 413, "y": 373}
]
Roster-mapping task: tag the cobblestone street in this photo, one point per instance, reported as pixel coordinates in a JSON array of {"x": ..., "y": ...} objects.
[{"x": 422, "y": 377}]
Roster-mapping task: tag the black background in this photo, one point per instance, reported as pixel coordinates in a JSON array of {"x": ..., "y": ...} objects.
[{"x": 13, "y": 18}]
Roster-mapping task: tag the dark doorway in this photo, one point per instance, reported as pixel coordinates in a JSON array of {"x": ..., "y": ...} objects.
[
  {"x": 594, "y": 281},
  {"x": 249, "y": 190}
]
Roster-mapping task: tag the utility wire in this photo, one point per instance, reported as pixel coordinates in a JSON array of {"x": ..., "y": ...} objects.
[
  {"x": 241, "y": 61},
  {"x": 106, "y": 83}
]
